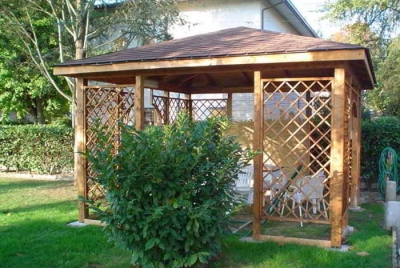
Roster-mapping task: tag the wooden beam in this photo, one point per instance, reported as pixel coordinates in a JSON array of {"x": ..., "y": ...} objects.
[
  {"x": 300, "y": 241},
  {"x": 246, "y": 78},
  {"x": 235, "y": 89},
  {"x": 369, "y": 70},
  {"x": 337, "y": 156},
  {"x": 266, "y": 68},
  {"x": 163, "y": 85},
  {"x": 80, "y": 148},
  {"x": 258, "y": 159},
  {"x": 211, "y": 80},
  {"x": 139, "y": 103},
  {"x": 303, "y": 57}
]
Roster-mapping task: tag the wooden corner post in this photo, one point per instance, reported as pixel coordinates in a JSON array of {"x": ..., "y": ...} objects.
[
  {"x": 356, "y": 153},
  {"x": 80, "y": 147},
  {"x": 337, "y": 156},
  {"x": 258, "y": 160},
  {"x": 229, "y": 107},
  {"x": 139, "y": 103}
]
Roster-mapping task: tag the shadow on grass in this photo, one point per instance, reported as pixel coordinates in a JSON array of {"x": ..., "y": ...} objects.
[
  {"x": 7, "y": 184},
  {"x": 48, "y": 243},
  {"x": 271, "y": 254},
  {"x": 44, "y": 208},
  {"x": 370, "y": 246}
]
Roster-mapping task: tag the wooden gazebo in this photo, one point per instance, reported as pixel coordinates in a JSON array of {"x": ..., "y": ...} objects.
[{"x": 303, "y": 96}]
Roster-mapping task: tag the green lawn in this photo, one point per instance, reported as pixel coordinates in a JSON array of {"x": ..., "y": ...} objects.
[{"x": 33, "y": 233}]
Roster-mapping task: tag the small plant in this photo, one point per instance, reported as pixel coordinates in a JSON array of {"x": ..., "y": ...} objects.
[{"x": 169, "y": 190}]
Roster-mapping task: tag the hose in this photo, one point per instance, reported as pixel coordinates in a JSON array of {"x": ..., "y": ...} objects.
[{"x": 388, "y": 169}]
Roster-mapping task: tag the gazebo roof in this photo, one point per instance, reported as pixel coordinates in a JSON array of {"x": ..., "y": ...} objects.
[
  {"x": 239, "y": 47},
  {"x": 229, "y": 42}
]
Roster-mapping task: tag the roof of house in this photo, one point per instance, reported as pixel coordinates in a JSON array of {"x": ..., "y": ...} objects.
[
  {"x": 229, "y": 42},
  {"x": 288, "y": 10}
]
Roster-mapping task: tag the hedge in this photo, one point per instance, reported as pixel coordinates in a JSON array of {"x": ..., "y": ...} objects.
[
  {"x": 377, "y": 134},
  {"x": 43, "y": 149}
]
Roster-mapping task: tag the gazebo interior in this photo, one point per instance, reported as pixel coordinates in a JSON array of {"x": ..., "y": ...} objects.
[{"x": 296, "y": 98}]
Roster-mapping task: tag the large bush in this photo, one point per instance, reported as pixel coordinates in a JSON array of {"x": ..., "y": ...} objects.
[
  {"x": 41, "y": 149},
  {"x": 169, "y": 190},
  {"x": 377, "y": 134}
]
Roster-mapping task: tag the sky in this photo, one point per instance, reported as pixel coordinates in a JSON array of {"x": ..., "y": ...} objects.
[{"x": 308, "y": 8}]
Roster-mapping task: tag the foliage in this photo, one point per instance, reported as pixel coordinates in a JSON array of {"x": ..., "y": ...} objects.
[
  {"x": 36, "y": 148},
  {"x": 377, "y": 134},
  {"x": 382, "y": 16},
  {"x": 23, "y": 90},
  {"x": 77, "y": 28},
  {"x": 361, "y": 34},
  {"x": 372, "y": 24},
  {"x": 169, "y": 190},
  {"x": 387, "y": 95}
]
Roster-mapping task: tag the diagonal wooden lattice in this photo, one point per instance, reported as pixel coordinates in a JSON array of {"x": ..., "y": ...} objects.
[
  {"x": 351, "y": 94},
  {"x": 105, "y": 105},
  {"x": 169, "y": 108},
  {"x": 297, "y": 114},
  {"x": 206, "y": 108}
]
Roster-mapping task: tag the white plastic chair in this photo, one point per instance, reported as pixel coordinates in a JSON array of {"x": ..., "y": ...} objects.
[
  {"x": 310, "y": 189},
  {"x": 274, "y": 180},
  {"x": 244, "y": 183}
]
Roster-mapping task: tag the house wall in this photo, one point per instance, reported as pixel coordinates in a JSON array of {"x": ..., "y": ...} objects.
[{"x": 213, "y": 15}]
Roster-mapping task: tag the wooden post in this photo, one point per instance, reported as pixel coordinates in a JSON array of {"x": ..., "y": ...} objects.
[
  {"x": 229, "y": 107},
  {"x": 80, "y": 147},
  {"x": 258, "y": 160},
  {"x": 337, "y": 156},
  {"x": 355, "y": 163},
  {"x": 139, "y": 103},
  {"x": 190, "y": 106}
]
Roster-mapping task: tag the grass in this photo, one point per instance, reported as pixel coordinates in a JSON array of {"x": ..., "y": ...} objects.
[{"x": 33, "y": 233}]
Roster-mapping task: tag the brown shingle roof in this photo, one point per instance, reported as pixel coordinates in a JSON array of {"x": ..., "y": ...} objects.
[{"x": 230, "y": 42}]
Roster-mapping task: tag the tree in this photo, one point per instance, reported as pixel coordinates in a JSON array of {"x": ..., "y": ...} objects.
[
  {"x": 83, "y": 27},
  {"x": 371, "y": 23},
  {"x": 23, "y": 89},
  {"x": 387, "y": 97},
  {"x": 361, "y": 34},
  {"x": 381, "y": 16}
]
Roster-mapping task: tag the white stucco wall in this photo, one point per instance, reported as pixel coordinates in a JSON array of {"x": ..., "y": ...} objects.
[
  {"x": 273, "y": 21},
  {"x": 205, "y": 16}
]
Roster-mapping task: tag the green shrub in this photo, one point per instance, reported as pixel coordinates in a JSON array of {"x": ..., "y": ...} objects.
[
  {"x": 377, "y": 134},
  {"x": 169, "y": 190},
  {"x": 36, "y": 148}
]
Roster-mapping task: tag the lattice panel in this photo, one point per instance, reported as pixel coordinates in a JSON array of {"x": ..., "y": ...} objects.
[
  {"x": 161, "y": 106},
  {"x": 203, "y": 109},
  {"x": 105, "y": 105},
  {"x": 169, "y": 108},
  {"x": 175, "y": 106},
  {"x": 347, "y": 145},
  {"x": 297, "y": 123}
]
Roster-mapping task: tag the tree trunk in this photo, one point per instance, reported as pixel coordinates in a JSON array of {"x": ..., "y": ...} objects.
[
  {"x": 80, "y": 48},
  {"x": 39, "y": 112}
]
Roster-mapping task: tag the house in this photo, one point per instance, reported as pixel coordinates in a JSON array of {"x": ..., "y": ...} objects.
[{"x": 212, "y": 15}]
